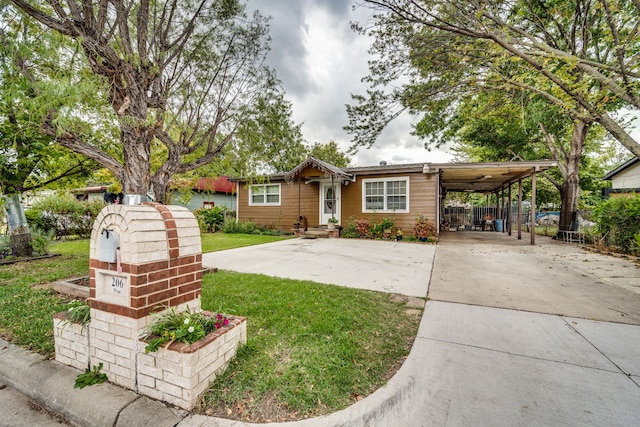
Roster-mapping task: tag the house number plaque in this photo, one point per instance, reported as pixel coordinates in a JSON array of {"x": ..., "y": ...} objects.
[{"x": 112, "y": 287}]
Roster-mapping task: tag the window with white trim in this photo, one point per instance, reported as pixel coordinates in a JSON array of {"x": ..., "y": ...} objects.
[
  {"x": 385, "y": 194},
  {"x": 264, "y": 195}
]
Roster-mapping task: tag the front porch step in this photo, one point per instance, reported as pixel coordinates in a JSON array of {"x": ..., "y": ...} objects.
[{"x": 314, "y": 233}]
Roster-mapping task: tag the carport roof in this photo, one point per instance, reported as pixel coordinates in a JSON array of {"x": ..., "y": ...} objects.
[{"x": 484, "y": 177}]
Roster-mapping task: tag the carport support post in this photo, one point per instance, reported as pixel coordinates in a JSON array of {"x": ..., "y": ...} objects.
[
  {"x": 509, "y": 209},
  {"x": 533, "y": 206},
  {"x": 520, "y": 209}
]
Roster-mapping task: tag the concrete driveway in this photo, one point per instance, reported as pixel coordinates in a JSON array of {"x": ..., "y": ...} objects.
[{"x": 392, "y": 267}]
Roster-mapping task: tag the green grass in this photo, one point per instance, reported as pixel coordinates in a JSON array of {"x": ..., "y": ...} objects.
[
  {"x": 212, "y": 242},
  {"x": 26, "y": 309},
  {"x": 312, "y": 348}
]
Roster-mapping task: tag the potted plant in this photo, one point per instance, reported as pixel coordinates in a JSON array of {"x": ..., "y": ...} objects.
[
  {"x": 398, "y": 234},
  {"x": 423, "y": 229},
  {"x": 331, "y": 223}
]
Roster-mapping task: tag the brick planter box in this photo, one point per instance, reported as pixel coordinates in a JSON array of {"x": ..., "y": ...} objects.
[
  {"x": 181, "y": 373},
  {"x": 71, "y": 342}
]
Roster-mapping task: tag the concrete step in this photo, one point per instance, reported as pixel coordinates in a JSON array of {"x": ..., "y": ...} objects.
[{"x": 316, "y": 232}]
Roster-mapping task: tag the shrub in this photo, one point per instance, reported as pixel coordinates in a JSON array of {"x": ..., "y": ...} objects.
[
  {"x": 350, "y": 231},
  {"x": 210, "y": 220},
  {"x": 63, "y": 215},
  {"x": 41, "y": 241},
  {"x": 363, "y": 228},
  {"x": 423, "y": 228},
  {"x": 381, "y": 230},
  {"x": 618, "y": 219}
]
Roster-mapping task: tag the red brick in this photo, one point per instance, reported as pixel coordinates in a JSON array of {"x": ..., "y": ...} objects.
[
  {"x": 191, "y": 268},
  {"x": 138, "y": 302},
  {"x": 150, "y": 288},
  {"x": 187, "y": 259},
  {"x": 181, "y": 280},
  {"x": 149, "y": 267},
  {"x": 181, "y": 299},
  {"x": 161, "y": 296},
  {"x": 199, "y": 258},
  {"x": 174, "y": 253},
  {"x": 161, "y": 274},
  {"x": 199, "y": 275},
  {"x": 173, "y": 243},
  {"x": 189, "y": 287},
  {"x": 137, "y": 280},
  {"x": 170, "y": 223},
  {"x": 172, "y": 233}
]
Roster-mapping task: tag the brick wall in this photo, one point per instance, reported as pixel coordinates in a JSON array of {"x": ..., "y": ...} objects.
[{"x": 181, "y": 373}]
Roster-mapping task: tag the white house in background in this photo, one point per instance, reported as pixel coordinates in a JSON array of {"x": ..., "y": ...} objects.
[
  {"x": 625, "y": 179},
  {"x": 207, "y": 193}
]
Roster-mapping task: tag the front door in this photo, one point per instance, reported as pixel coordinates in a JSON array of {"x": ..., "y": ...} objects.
[{"x": 329, "y": 201}]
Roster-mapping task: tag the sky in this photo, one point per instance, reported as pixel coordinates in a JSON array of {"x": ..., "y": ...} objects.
[{"x": 321, "y": 61}]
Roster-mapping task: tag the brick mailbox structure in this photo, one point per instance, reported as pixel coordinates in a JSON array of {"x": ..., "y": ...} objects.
[{"x": 145, "y": 259}]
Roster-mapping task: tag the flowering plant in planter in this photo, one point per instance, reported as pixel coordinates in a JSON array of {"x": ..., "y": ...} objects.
[
  {"x": 423, "y": 228},
  {"x": 186, "y": 327}
]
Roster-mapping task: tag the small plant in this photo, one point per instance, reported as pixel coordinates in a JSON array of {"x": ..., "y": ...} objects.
[
  {"x": 398, "y": 234},
  {"x": 90, "y": 377},
  {"x": 78, "y": 312},
  {"x": 424, "y": 229},
  {"x": 332, "y": 220},
  {"x": 186, "y": 327}
]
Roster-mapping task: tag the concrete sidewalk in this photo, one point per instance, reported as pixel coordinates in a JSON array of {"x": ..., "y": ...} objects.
[{"x": 508, "y": 337}]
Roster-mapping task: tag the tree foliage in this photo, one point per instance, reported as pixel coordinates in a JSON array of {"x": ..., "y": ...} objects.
[
  {"x": 176, "y": 79},
  {"x": 578, "y": 55},
  {"x": 29, "y": 159}
]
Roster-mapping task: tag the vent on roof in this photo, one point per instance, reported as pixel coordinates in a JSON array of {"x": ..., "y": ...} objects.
[{"x": 383, "y": 163}]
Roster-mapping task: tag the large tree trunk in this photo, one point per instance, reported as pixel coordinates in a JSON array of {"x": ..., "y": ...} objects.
[
  {"x": 570, "y": 188},
  {"x": 136, "y": 143}
]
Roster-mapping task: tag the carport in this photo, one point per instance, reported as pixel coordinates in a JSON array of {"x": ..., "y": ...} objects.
[{"x": 491, "y": 178}]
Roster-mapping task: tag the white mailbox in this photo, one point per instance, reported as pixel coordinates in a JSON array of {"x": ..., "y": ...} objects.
[{"x": 108, "y": 247}]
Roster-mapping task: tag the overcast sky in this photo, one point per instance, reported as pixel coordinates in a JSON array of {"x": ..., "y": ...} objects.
[{"x": 321, "y": 61}]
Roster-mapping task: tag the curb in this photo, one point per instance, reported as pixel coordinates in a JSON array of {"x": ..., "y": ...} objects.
[{"x": 50, "y": 383}]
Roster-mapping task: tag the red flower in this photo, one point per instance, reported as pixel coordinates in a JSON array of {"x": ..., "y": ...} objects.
[
  {"x": 218, "y": 325},
  {"x": 225, "y": 322}
]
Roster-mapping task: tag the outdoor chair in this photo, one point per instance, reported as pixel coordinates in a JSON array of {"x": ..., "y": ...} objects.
[{"x": 487, "y": 223}]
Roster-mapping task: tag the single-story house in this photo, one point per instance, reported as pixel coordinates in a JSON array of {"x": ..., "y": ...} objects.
[
  {"x": 625, "y": 179},
  {"x": 207, "y": 193},
  {"x": 318, "y": 191}
]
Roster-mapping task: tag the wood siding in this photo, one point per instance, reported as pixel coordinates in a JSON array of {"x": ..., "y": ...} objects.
[
  {"x": 283, "y": 216},
  {"x": 422, "y": 201}
]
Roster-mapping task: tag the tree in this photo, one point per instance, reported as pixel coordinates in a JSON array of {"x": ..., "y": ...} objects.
[
  {"x": 579, "y": 55},
  {"x": 501, "y": 127},
  {"x": 268, "y": 141},
  {"x": 330, "y": 153},
  {"x": 177, "y": 78}
]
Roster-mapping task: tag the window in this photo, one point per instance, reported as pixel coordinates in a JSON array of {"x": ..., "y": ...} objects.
[
  {"x": 385, "y": 195},
  {"x": 264, "y": 195}
]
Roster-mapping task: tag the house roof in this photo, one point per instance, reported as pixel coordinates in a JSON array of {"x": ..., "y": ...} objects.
[
  {"x": 327, "y": 169},
  {"x": 220, "y": 184},
  {"x": 453, "y": 177},
  {"x": 632, "y": 161}
]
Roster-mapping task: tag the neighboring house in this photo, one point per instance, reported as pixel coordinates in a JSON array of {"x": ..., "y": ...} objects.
[
  {"x": 625, "y": 179},
  {"x": 319, "y": 191},
  {"x": 207, "y": 193},
  {"x": 90, "y": 193}
]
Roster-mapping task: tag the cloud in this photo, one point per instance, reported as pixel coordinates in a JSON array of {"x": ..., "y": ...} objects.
[{"x": 321, "y": 62}]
